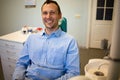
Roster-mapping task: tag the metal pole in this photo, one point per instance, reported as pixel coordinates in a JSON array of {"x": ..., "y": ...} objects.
[{"x": 114, "y": 71}]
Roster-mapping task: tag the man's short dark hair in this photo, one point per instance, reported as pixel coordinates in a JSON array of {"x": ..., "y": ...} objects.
[{"x": 52, "y": 1}]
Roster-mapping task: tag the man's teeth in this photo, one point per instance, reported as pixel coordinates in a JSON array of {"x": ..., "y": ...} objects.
[{"x": 49, "y": 21}]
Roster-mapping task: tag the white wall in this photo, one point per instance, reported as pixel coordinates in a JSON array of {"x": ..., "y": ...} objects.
[{"x": 15, "y": 16}]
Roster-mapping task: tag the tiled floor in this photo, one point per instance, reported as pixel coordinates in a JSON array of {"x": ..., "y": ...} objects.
[{"x": 86, "y": 54}]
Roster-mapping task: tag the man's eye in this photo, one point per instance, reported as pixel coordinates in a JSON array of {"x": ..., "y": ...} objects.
[
  {"x": 52, "y": 13},
  {"x": 44, "y": 13}
]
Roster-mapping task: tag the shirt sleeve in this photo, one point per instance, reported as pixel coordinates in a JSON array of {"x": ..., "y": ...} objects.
[
  {"x": 22, "y": 63},
  {"x": 72, "y": 64}
]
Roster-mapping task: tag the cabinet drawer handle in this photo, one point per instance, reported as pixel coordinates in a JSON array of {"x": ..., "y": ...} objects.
[
  {"x": 13, "y": 46},
  {"x": 11, "y": 59},
  {"x": 11, "y": 75},
  {"x": 7, "y": 51},
  {"x": 10, "y": 66}
]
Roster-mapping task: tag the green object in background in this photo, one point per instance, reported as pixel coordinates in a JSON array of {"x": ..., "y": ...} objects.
[{"x": 63, "y": 24}]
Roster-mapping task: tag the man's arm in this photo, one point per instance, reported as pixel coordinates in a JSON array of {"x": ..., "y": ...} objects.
[
  {"x": 72, "y": 65},
  {"x": 22, "y": 64}
]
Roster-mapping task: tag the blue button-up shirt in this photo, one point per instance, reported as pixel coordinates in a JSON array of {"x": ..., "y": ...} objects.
[{"x": 48, "y": 57}]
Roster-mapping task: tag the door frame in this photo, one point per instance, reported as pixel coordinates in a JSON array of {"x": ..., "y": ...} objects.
[{"x": 89, "y": 24}]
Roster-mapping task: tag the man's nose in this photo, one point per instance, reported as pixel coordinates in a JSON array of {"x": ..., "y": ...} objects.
[{"x": 48, "y": 15}]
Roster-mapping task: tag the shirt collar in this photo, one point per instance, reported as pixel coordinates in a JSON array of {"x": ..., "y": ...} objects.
[{"x": 57, "y": 33}]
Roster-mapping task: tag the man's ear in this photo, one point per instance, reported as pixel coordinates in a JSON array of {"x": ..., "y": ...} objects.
[{"x": 60, "y": 16}]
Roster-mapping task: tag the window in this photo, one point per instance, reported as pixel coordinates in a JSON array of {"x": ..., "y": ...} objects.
[{"x": 104, "y": 9}]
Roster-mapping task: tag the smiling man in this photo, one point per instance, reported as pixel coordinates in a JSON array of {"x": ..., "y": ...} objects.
[
  {"x": 51, "y": 54},
  {"x": 51, "y": 14}
]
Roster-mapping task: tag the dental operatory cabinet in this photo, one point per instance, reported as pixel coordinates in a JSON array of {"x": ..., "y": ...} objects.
[{"x": 10, "y": 46}]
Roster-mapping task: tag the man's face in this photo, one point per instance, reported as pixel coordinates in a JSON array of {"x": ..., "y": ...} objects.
[{"x": 50, "y": 15}]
